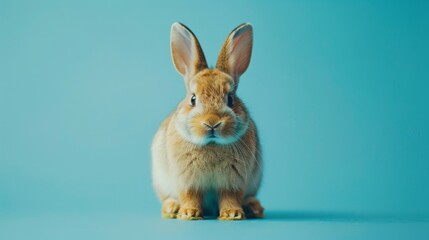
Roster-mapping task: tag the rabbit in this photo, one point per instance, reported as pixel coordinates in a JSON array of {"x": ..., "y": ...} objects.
[{"x": 206, "y": 154}]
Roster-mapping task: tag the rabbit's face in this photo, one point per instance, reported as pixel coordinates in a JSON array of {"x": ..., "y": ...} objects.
[{"x": 211, "y": 113}]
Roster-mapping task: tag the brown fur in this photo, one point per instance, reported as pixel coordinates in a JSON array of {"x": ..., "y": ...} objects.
[
  {"x": 212, "y": 158},
  {"x": 185, "y": 173},
  {"x": 223, "y": 62},
  {"x": 170, "y": 207},
  {"x": 253, "y": 208},
  {"x": 200, "y": 61},
  {"x": 230, "y": 205},
  {"x": 191, "y": 205}
]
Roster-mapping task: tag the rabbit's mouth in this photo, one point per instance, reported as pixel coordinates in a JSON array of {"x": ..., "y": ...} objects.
[{"x": 211, "y": 134}]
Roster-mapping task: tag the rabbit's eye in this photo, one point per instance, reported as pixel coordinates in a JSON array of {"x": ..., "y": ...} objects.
[
  {"x": 193, "y": 98},
  {"x": 230, "y": 100}
]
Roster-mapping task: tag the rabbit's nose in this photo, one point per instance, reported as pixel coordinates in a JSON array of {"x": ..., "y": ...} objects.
[
  {"x": 212, "y": 127},
  {"x": 211, "y": 122}
]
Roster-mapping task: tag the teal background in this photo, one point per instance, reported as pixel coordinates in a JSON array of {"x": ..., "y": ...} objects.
[{"x": 339, "y": 90}]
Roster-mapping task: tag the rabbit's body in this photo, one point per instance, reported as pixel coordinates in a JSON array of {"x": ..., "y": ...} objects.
[
  {"x": 207, "y": 152},
  {"x": 204, "y": 167}
]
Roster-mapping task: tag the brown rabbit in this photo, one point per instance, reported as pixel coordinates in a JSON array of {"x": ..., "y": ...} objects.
[{"x": 207, "y": 153}]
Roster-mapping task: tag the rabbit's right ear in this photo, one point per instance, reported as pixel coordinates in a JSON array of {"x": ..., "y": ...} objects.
[
  {"x": 234, "y": 57},
  {"x": 188, "y": 57}
]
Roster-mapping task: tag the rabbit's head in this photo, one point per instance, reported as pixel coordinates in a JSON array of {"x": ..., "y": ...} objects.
[{"x": 211, "y": 112}]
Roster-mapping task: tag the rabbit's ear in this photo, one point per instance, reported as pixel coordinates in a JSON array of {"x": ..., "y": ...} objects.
[
  {"x": 188, "y": 57},
  {"x": 234, "y": 57}
]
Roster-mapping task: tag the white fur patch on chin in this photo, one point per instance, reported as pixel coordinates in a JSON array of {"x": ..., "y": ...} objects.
[
  {"x": 218, "y": 140},
  {"x": 221, "y": 140}
]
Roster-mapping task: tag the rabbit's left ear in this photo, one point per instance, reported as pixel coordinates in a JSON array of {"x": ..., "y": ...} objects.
[
  {"x": 188, "y": 57},
  {"x": 234, "y": 57}
]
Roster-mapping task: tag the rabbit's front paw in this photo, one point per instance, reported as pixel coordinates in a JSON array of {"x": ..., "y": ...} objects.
[
  {"x": 231, "y": 214},
  {"x": 189, "y": 213}
]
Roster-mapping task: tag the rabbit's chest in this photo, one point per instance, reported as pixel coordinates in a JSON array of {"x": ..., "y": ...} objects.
[
  {"x": 211, "y": 169},
  {"x": 211, "y": 163}
]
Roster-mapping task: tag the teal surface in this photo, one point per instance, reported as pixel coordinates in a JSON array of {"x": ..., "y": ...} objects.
[{"x": 339, "y": 90}]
